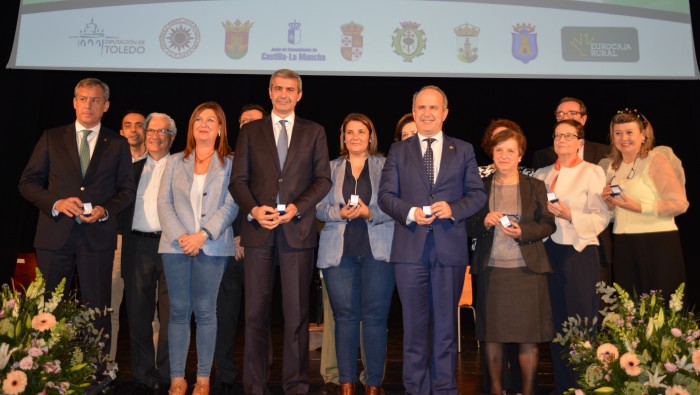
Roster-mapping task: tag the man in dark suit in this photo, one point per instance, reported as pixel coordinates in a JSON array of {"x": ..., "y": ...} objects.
[
  {"x": 573, "y": 108},
  {"x": 80, "y": 177},
  {"x": 430, "y": 185},
  {"x": 142, "y": 269},
  {"x": 280, "y": 172},
  {"x": 228, "y": 302}
]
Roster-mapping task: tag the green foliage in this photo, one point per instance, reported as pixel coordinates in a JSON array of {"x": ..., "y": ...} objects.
[
  {"x": 642, "y": 346},
  {"x": 48, "y": 344}
]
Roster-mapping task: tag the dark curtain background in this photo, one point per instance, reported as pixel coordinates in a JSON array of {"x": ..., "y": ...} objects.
[{"x": 36, "y": 100}]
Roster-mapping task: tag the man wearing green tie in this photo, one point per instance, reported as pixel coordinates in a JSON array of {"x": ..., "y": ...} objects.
[{"x": 79, "y": 176}]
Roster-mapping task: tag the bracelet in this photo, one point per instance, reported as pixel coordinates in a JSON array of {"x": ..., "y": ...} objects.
[{"x": 205, "y": 230}]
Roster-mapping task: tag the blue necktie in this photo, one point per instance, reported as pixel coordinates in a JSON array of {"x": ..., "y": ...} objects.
[
  {"x": 428, "y": 162},
  {"x": 282, "y": 143}
]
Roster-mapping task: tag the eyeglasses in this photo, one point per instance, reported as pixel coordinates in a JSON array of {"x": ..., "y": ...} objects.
[
  {"x": 567, "y": 114},
  {"x": 565, "y": 136},
  {"x": 636, "y": 113},
  {"x": 160, "y": 132},
  {"x": 631, "y": 174}
]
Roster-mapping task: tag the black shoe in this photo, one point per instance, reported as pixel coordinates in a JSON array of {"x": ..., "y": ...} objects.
[
  {"x": 330, "y": 388},
  {"x": 141, "y": 388},
  {"x": 223, "y": 388}
]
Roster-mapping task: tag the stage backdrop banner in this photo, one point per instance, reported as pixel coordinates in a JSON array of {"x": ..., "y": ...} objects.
[{"x": 604, "y": 39}]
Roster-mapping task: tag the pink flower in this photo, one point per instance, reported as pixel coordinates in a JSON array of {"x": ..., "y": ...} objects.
[
  {"x": 53, "y": 366},
  {"x": 14, "y": 383},
  {"x": 34, "y": 352},
  {"x": 27, "y": 363},
  {"x": 670, "y": 367},
  {"x": 630, "y": 363},
  {"x": 677, "y": 390},
  {"x": 696, "y": 361},
  {"x": 607, "y": 353},
  {"x": 43, "y": 321},
  {"x": 676, "y": 332}
]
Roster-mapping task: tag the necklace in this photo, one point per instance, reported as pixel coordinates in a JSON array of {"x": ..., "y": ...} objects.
[{"x": 202, "y": 160}]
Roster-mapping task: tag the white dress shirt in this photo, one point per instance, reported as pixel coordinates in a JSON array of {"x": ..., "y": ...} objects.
[{"x": 146, "y": 203}]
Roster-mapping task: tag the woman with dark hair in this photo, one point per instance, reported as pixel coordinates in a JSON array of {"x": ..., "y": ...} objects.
[
  {"x": 353, "y": 255},
  {"x": 645, "y": 192},
  {"x": 510, "y": 263},
  {"x": 405, "y": 128},
  {"x": 496, "y": 125},
  {"x": 196, "y": 212}
]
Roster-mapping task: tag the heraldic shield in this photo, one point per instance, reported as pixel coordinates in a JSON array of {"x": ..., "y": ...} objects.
[
  {"x": 351, "y": 41},
  {"x": 408, "y": 41},
  {"x": 524, "y": 42},
  {"x": 236, "y": 41}
]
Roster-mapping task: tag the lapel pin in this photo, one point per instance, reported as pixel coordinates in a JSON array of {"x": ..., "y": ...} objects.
[{"x": 452, "y": 147}]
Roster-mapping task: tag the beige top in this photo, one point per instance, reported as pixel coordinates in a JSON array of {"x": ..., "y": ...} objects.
[{"x": 657, "y": 184}]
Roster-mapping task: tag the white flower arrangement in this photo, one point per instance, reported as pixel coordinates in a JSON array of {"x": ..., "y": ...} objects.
[
  {"x": 47, "y": 346},
  {"x": 642, "y": 346}
]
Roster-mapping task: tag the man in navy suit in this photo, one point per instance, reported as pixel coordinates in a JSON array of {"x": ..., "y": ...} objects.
[
  {"x": 79, "y": 203},
  {"x": 280, "y": 172},
  {"x": 430, "y": 185}
]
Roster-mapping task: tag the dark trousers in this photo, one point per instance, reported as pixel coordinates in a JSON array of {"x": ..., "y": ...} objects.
[
  {"x": 142, "y": 270},
  {"x": 649, "y": 261},
  {"x": 429, "y": 293},
  {"x": 228, "y": 307},
  {"x": 572, "y": 292},
  {"x": 296, "y": 269},
  {"x": 94, "y": 270}
]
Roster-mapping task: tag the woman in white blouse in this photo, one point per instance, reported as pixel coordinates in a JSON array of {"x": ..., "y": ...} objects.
[
  {"x": 647, "y": 252},
  {"x": 574, "y": 187}
]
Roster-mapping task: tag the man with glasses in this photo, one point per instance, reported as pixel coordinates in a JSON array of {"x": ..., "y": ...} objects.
[
  {"x": 571, "y": 108},
  {"x": 142, "y": 268}
]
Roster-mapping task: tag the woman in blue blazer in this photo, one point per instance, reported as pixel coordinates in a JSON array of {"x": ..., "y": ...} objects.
[
  {"x": 196, "y": 211},
  {"x": 354, "y": 254}
]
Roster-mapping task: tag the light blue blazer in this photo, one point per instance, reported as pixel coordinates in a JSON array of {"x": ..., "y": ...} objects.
[
  {"x": 175, "y": 210},
  {"x": 381, "y": 229}
]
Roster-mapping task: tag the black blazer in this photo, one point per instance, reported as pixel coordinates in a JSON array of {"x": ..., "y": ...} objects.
[
  {"x": 53, "y": 173},
  {"x": 536, "y": 223},
  {"x": 126, "y": 218},
  {"x": 305, "y": 180},
  {"x": 592, "y": 152}
]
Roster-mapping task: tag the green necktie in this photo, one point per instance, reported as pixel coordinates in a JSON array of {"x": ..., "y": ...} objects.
[{"x": 85, "y": 151}]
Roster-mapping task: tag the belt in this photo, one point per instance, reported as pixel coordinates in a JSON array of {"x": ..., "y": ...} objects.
[{"x": 152, "y": 235}]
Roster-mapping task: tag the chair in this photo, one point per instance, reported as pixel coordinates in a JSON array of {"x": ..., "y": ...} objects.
[
  {"x": 465, "y": 301},
  {"x": 25, "y": 271}
]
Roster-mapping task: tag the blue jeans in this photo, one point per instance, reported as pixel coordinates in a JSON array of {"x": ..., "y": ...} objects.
[
  {"x": 360, "y": 290},
  {"x": 193, "y": 284}
]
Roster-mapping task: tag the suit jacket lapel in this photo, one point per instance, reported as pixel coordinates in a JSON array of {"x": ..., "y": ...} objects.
[
  {"x": 72, "y": 147},
  {"x": 414, "y": 151},
  {"x": 214, "y": 168},
  {"x": 448, "y": 150},
  {"x": 100, "y": 147},
  {"x": 295, "y": 142},
  {"x": 268, "y": 134}
]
